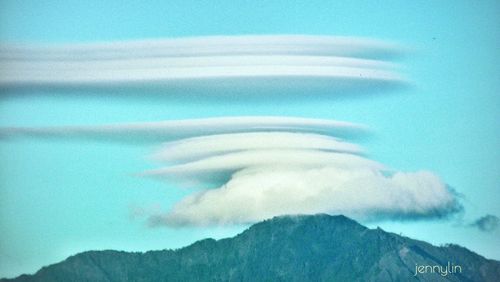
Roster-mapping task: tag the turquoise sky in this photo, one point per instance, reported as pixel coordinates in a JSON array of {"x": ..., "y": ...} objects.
[{"x": 58, "y": 198}]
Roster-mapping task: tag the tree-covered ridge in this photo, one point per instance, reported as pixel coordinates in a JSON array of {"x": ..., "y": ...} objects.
[{"x": 288, "y": 248}]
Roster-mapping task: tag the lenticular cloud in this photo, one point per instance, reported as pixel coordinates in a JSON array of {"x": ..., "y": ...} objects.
[
  {"x": 247, "y": 177},
  {"x": 336, "y": 64},
  {"x": 178, "y": 129},
  {"x": 245, "y": 169},
  {"x": 213, "y": 145}
]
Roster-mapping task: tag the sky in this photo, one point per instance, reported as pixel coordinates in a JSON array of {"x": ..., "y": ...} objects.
[{"x": 61, "y": 196}]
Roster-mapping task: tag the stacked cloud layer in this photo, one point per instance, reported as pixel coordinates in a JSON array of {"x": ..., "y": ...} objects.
[
  {"x": 247, "y": 169},
  {"x": 251, "y": 176},
  {"x": 232, "y": 62}
]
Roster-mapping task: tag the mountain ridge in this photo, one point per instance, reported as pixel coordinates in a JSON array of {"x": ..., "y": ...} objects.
[{"x": 285, "y": 248}]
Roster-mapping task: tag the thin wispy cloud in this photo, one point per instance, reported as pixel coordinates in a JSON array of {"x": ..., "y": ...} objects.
[
  {"x": 209, "y": 46},
  {"x": 177, "y": 129},
  {"x": 197, "y": 62},
  {"x": 171, "y": 75}
]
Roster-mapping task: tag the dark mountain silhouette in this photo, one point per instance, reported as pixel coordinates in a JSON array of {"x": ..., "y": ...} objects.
[{"x": 288, "y": 248}]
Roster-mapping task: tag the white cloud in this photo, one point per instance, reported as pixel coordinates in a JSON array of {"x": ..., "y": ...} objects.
[
  {"x": 248, "y": 177},
  {"x": 177, "y": 75},
  {"x": 216, "y": 62},
  {"x": 206, "y": 146},
  {"x": 219, "y": 168},
  {"x": 247, "y": 169},
  {"x": 259, "y": 193},
  {"x": 178, "y": 129},
  {"x": 207, "y": 46},
  {"x": 185, "y": 62}
]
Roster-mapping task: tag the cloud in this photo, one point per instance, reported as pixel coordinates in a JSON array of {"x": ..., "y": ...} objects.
[
  {"x": 208, "y": 46},
  {"x": 248, "y": 177},
  {"x": 256, "y": 194},
  {"x": 245, "y": 169},
  {"x": 190, "y": 62},
  {"x": 206, "y": 146},
  {"x": 177, "y": 76},
  {"x": 336, "y": 64},
  {"x": 179, "y": 129},
  {"x": 213, "y": 170},
  {"x": 487, "y": 223}
]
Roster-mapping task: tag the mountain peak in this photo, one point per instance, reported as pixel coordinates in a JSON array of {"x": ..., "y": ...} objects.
[
  {"x": 317, "y": 217},
  {"x": 317, "y": 221}
]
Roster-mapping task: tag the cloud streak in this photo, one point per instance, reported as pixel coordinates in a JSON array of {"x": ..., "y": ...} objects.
[
  {"x": 208, "y": 46},
  {"x": 206, "y": 146},
  {"x": 334, "y": 63},
  {"x": 170, "y": 75},
  {"x": 219, "y": 168},
  {"x": 177, "y": 129}
]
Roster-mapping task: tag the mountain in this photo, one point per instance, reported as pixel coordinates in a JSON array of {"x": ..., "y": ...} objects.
[{"x": 287, "y": 248}]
